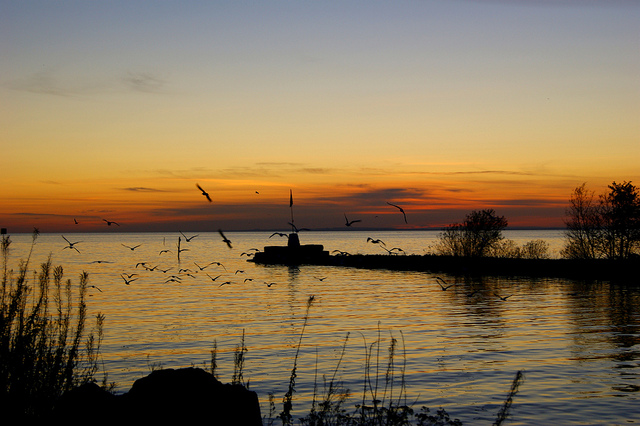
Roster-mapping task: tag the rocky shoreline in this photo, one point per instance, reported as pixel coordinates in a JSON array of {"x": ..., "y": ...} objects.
[{"x": 183, "y": 396}]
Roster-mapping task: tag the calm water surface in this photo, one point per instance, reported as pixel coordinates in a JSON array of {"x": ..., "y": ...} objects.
[{"x": 578, "y": 343}]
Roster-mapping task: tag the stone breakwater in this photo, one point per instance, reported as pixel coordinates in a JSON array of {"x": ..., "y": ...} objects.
[{"x": 598, "y": 269}]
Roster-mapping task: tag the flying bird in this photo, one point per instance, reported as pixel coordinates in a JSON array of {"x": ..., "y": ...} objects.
[
  {"x": 445, "y": 286},
  {"x": 109, "y": 222},
  {"x": 279, "y": 234},
  {"x": 93, "y": 286},
  {"x": 127, "y": 281},
  {"x": 204, "y": 192},
  {"x": 296, "y": 229},
  {"x": 75, "y": 221},
  {"x": 401, "y": 210},
  {"x": 71, "y": 245},
  {"x": 213, "y": 278},
  {"x": 188, "y": 238},
  {"x": 375, "y": 241},
  {"x": 202, "y": 268},
  {"x": 348, "y": 222},
  {"x": 164, "y": 251},
  {"x": 503, "y": 298},
  {"x": 225, "y": 239},
  {"x": 132, "y": 248},
  {"x": 218, "y": 264}
]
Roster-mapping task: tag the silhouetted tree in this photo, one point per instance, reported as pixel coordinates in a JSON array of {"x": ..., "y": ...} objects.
[
  {"x": 608, "y": 229},
  {"x": 621, "y": 220},
  {"x": 476, "y": 236},
  {"x": 583, "y": 224}
]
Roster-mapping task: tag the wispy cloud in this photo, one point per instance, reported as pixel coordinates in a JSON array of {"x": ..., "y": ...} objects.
[
  {"x": 143, "y": 82},
  {"x": 47, "y": 82},
  {"x": 141, "y": 189},
  {"x": 42, "y": 82}
]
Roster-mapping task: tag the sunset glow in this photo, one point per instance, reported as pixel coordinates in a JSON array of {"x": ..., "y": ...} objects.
[{"x": 116, "y": 111}]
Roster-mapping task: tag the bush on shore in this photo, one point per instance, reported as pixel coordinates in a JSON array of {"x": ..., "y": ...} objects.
[{"x": 45, "y": 348}]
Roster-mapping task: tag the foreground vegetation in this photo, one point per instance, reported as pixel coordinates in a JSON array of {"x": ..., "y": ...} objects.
[
  {"x": 45, "y": 349},
  {"x": 383, "y": 399}
]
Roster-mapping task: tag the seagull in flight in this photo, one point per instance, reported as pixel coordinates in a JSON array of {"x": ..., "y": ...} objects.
[
  {"x": 213, "y": 278},
  {"x": 375, "y": 241},
  {"x": 401, "y": 210},
  {"x": 109, "y": 222},
  {"x": 204, "y": 192},
  {"x": 71, "y": 245},
  {"x": 348, "y": 222},
  {"x": 296, "y": 229},
  {"x": 503, "y": 298},
  {"x": 188, "y": 238},
  {"x": 225, "y": 239},
  {"x": 203, "y": 267},
  {"x": 445, "y": 286},
  {"x": 132, "y": 248},
  {"x": 127, "y": 281},
  {"x": 279, "y": 234}
]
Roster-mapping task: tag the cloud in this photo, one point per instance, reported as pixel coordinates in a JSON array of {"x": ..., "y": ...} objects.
[
  {"x": 141, "y": 189},
  {"x": 46, "y": 82},
  {"x": 42, "y": 82},
  {"x": 143, "y": 82}
]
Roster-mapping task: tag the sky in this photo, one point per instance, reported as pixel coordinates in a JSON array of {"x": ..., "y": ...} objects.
[{"x": 117, "y": 110}]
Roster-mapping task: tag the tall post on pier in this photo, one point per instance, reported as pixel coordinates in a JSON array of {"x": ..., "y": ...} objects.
[{"x": 291, "y": 208}]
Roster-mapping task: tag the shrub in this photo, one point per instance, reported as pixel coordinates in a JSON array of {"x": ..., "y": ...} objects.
[{"x": 476, "y": 236}]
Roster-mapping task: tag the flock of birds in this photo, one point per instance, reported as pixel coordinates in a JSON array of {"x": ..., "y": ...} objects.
[
  {"x": 222, "y": 279},
  {"x": 129, "y": 278}
]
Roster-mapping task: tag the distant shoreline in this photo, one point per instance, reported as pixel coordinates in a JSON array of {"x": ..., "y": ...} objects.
[{"x": 283, "y": 229}]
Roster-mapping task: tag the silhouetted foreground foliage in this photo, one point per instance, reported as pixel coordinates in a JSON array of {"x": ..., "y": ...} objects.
[{"x": 44, "y": 347}]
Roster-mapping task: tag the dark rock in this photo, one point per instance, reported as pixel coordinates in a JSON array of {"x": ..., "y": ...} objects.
[{"x": 186, "y": 395}]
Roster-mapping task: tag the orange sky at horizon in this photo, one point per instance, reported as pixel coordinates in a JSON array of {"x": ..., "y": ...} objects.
[{"x": 115, "y": 111}]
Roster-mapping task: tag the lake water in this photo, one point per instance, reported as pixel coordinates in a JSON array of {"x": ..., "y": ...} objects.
[{"x": 577, "y": 342}]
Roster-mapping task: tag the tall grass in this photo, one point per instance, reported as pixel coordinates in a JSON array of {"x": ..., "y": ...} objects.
[
  {"x": 383, "y": 400},
  {"x": 45, "y": 348}
]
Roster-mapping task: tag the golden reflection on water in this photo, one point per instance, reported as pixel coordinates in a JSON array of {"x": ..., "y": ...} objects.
[{"x": 459, "y": 348}]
